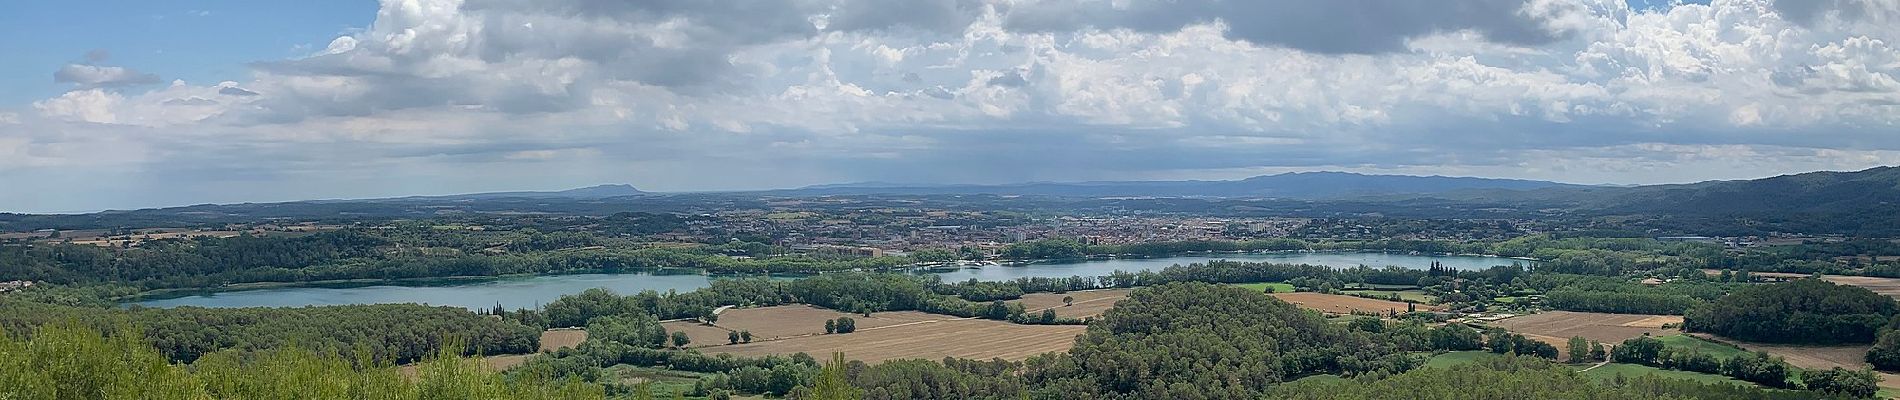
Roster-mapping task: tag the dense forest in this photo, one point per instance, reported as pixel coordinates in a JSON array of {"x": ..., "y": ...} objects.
[
  {"x": 1801, "y": 311},
  {"x": 1190, "y": 340},
  {"x": 392, "y": 332},
  {"x": 64, "y": 361}
]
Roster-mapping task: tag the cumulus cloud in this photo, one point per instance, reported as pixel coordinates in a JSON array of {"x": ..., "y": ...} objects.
[
  {"x": 1321, "y": 27},
  {"x": 771, "y": 93},
  {"x": 94, "y": 76},
  {"x": 235, "y": 91}
]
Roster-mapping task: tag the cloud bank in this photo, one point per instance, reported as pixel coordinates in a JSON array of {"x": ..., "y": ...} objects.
[{"x": 463, "y": 95}]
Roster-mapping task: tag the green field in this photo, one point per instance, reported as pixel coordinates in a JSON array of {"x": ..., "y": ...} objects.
[
  {"x": 1261, "y": 287},
  {"x": 1327, "y": 378},
  {"x": 1691, "y": 343},
  {"x": 665, "y": 382},
  {"x": 1418, "y": 296},
  {"x": 1608, "y": 372},
  {"x": 1455, "y": 358},
  {"x": 1380, "y": 286}
]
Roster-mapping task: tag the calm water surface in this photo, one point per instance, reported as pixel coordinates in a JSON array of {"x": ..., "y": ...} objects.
[
  {"x": 1104, "y": 267},
  {"x": 534, "y": 291}
]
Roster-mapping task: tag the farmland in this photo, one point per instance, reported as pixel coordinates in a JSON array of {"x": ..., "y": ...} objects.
[
  {"x": 1805, "y": 357},
  {"x": 1603, "y": 373},
  {"x": 555, "y": 339},
  {"x": 1090, "y": 303},
  {"x": 948, "y": 337},
  {"x": 551, "y": 340},
  {"x": 1886, "y": 286},
  {"x": 1343, "y": 304},
  {"x": 779, "y": 322},
  {"x": 1448, "y": 359},
  {"x": 1417, "y": 296},
  {"x": 1700, "y": 345},
  {"x": 1262, "y": 287},
  {"x": 1557, "y": 327},
  {"x": 701, "y": 335},
  {"x": 1609, "y": 372}
]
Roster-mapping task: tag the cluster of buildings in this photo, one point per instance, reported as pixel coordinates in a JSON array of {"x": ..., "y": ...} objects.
[
  {"x": 9, "y": 286},
  {"x": 879, "y": 231}
]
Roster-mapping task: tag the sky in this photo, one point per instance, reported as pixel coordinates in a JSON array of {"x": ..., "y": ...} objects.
[{"x": 128, "y": 104}]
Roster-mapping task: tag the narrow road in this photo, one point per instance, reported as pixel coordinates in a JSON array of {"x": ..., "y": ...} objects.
[{"x": 1595, "y": 366}]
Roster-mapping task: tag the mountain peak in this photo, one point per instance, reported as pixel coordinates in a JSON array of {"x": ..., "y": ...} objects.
[{"x": 605, "y": 190}]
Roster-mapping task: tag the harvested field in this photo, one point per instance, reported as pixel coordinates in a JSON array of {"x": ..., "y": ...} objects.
[
  {"x": 767, "y": 323},
  {"x": 556, "y": 339},
  {"x": 1091, "y": 303},
  {"x": 1814, "y": 357},
  {"x": 551, "y": 340},
  {"x": 1886, "y": 286},
  {"x": 701, "y": 334},
  {"x": 1343, "y": 304},
  {"x": 963, "y": 338},
  {"x": 1557, "y": 327},
  {"x": 1806, "y": 357}
]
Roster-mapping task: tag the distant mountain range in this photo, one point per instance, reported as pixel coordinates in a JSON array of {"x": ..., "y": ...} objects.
[
  {"x": 1298, "y": 185},
  {"x": 1856, "y": 203}
]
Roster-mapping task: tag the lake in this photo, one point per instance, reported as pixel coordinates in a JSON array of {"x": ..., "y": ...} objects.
[{"x": 520, "y": 292}]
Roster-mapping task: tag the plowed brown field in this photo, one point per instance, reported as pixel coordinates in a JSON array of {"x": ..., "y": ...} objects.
[{"x": 934, "y": 339}]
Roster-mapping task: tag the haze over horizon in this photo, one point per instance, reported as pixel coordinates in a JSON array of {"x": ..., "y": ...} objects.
[{"x": 143, "y": 104}]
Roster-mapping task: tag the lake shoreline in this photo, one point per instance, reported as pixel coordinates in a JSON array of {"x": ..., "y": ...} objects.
[
  {"x": 434, "y": 281},
  {"x": 524, "y": 289}
]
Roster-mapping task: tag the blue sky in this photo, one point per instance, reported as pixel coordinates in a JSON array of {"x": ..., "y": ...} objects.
[
  {"x": 194, "y": 40},
  {"x": 284, "y": 100}
]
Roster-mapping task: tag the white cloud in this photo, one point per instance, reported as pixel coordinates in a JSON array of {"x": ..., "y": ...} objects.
[
  {"x": 91, "y": 76},
  {"x": 90, "y": 105},
  {"x": 786, "y": 92}
]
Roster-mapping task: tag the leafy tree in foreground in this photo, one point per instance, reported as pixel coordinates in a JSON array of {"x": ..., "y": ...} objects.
[
  {"x": 69, "y": 361},
  {"x": 831, "y": 383}
]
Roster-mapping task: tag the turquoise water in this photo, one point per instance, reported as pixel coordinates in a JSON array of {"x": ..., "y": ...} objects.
[{"x": 530, "y": 292}]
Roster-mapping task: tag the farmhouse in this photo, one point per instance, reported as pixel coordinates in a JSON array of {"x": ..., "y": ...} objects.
[{"x": 9, "y": 286}]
